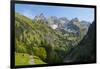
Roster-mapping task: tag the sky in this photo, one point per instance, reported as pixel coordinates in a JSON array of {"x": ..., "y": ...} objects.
[{"x": 31, "y": 11}]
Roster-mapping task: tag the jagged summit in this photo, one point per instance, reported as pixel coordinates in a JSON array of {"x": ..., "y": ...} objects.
[
  {"x": 74, "y": 25},
  {"x": 40, "y": 17},
  {"x": 74, "y": 20}
]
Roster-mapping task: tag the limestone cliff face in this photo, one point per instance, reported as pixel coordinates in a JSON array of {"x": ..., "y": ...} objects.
[{"x": 86, "y": 49}]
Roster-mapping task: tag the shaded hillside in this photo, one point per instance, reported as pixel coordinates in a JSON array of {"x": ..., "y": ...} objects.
[{"x": 86, "y": 49}]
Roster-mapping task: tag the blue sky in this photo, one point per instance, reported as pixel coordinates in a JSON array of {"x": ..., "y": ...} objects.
[{"x": 30, "y": 11}]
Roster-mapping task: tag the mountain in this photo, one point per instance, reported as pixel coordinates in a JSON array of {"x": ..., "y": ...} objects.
[
  {"x": 36, "y": 38},
  {"x": 40, "y": 17},
  {"x": 85, "y": 23},
  {"x": 85, "y": 51},
  {"x": 62, "y": 22},
  {"x": 52, "y": 22},
  {"x": 77, "y": 27},
  {"x": 74, "y": 25},
  {"x": 71, "y": 27},
  {"x": 45, "y": 39}
]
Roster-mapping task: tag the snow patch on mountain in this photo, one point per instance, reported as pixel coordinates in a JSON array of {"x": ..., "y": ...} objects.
[{"x": 54, "y": 26}]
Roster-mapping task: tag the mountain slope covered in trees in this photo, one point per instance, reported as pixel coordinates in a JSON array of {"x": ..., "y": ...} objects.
[{"x": 36, "y": 40}]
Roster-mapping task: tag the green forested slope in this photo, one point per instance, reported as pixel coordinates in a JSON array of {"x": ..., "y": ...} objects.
[
  {"x": 45, "y": 45},
  {"x": 38, "y": 39}
]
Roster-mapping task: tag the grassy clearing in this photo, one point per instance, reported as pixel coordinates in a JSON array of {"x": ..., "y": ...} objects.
[
  {"x": 37, "y": 60},
  {"x": 21, "y": 59}
]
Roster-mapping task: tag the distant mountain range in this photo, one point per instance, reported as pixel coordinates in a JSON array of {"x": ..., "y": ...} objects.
[
  {"x": 62, "y": 23},
  {"x": 72, "y": 26}
]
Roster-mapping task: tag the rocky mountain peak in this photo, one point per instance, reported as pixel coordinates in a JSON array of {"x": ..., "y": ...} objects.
[
  {"x": 40, "y": 17},
  {"x": 75, "y": 20}
]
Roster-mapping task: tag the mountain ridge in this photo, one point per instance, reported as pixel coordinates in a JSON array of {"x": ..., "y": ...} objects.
[{"x": 37, "y": 38}]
